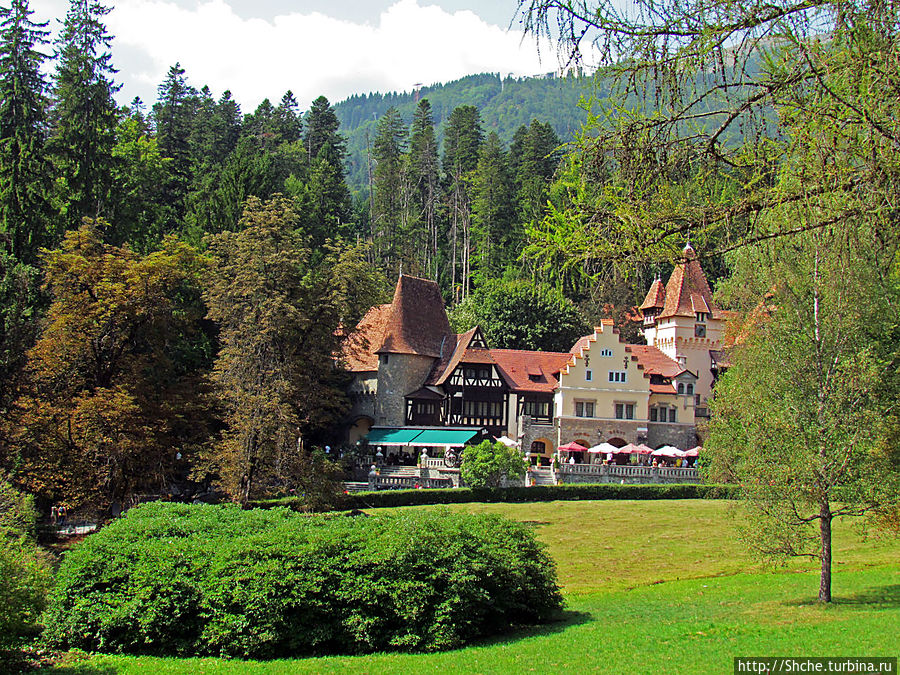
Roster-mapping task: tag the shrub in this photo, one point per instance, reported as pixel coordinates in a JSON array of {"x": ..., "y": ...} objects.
[
  {"x": 24, "y": 569},
  {"x": 485, "y": 464},
  {"x": 215, "y": 580},
  {"x": 548, "y": 493}
]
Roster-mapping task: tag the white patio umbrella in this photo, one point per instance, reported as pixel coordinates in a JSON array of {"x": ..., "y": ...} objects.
[
  {"x": 667, "y": 451},
  {"x": 605, "y": 448},
  {"x": 508, "y": 442}
]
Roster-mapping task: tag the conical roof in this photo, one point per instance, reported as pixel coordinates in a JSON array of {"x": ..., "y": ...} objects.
[
  {"x": 688, "y": 292},
  {"x": 656, "y": 296},
  {"x": 417, "y": 321}
]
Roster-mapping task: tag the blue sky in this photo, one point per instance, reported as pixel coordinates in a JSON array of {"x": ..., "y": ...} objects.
[{"x": 261, "y": 48}]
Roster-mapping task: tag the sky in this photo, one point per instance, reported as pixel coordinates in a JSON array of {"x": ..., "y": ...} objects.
[{"x": 261, "y": 48}]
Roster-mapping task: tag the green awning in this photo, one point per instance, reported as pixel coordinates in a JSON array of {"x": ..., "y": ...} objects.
[
  {"x": 441, "y": 437},
  {"x": 396, "y": 436}
]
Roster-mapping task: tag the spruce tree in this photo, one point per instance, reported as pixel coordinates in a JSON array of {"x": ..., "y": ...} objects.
[
  {"x": 387, "y": 221},
  {"x": 462, "y": 139},
  {"x": 424, "y": 178},
  {"x": 495, "y": 237},
  {"x": 322, "y": 131},
  {"x": 24, "y": 170},
  {"x": 84, "y": 115},
  {"x": 173, "y": 115}
]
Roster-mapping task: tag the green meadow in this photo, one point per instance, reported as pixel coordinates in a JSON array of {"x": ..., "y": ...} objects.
[{"x": 651, "y": 587}]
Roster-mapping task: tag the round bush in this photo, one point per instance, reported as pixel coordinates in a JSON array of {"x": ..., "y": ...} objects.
[{"x": 215, "y": 580}]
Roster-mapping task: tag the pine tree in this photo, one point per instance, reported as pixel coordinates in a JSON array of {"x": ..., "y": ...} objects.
[
  {"x": 387, "y": 210},
  {"x": 84, "y": 115},
  {"x": 495, "y": 238},
  {"x": 534, "y": 157},
  {"x": 462, "y": 139},
  {"x": 424, "y": 178},
  {"x": 173, "y": 115},
  {"x": 288, "y": 125},
  {"x": 322, "y": 131},
  {"x": 24, "y": 171}
]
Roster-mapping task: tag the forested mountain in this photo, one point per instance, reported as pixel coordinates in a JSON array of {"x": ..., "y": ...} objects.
[{"x": 504, "y": 105}]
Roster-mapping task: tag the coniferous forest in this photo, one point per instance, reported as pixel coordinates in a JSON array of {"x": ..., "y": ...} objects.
[{"x": 176, "y": 275}]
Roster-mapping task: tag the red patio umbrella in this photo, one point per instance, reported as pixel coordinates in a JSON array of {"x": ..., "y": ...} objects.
[
  {"x": 572, "y": 447},
  {"x": 642, "y": 449}
]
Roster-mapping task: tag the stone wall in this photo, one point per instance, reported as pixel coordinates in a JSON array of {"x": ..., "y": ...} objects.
[
  {"x": 400, "y": 376},
  {"x": 682, "y": 436},
  {"x": 596, "y": 431}
]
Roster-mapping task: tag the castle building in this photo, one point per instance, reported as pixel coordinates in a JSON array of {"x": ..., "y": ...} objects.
[{"x": 410, "y": 371}]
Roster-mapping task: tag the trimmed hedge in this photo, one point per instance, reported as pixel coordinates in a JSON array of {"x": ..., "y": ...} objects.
[
  {"x": 175, "y": 579},
  {"x": 547, "y": 493}
]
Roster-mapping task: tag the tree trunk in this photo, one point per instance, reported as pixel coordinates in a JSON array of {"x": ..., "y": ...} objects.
[{"x": 825, "y": 533}]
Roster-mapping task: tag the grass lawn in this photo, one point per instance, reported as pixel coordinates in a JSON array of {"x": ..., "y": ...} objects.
[{"x": 652, "y": 587}]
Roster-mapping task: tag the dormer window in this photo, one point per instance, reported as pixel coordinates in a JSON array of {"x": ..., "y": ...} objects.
[
  {"x": 701, "y": 317},
  {"x": 681, "y": 387},
  {"x": 534, "y": 377}
]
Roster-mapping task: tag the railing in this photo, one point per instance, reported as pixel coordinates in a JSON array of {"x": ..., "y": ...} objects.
[
  {"x": 409, "y": 483},
  {"x": 626, "y": 471}
]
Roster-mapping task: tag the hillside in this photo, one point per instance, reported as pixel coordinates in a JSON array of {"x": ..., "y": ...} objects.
[{"x": 504, "y": 104}]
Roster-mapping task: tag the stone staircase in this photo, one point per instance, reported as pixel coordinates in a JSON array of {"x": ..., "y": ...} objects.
[
  {"x": 355, "y": 486},
  {"x": 400, "y": 471},
  {"x": 542, "y": 476}
]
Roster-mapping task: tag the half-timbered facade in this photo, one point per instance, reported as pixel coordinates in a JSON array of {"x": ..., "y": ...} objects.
[{"x": 411, "y": 370}]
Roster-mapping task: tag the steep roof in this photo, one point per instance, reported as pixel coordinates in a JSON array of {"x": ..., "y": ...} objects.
[
  {"x": 653, "y": 361},
  {"x": 656, "y": 296},
  {"x": 458, "y": 350},
  {"x": 530, "y": 372},
  {"x": 688, "y": 291},
  {"x": 417, "y": 322},
  {"x": 359, "y": 349}
]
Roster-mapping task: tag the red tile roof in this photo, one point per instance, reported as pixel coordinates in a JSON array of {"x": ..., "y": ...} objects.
[
  {"x": 515, "y": 365},
  {"x": 656, "y": 296},
  {"x": 456, "y": 351},
  {"x": 417, "y": 323},
  {"x": 653, "y": 361},
  {"x": 359, "y": 349},
  {"x": 662, "y": 388},
  {"x": 688, "y": 291}
]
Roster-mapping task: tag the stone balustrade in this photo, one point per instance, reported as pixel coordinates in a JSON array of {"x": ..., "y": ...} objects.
[{"x": 613, "y": 473}]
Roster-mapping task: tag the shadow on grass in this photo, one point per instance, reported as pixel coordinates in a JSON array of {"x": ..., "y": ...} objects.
[
  {"x": 877, "y": 597},
  {"x": 567, "y": 618}
]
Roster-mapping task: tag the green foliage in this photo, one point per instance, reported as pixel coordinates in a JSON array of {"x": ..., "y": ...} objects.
[
  {"x": 217, "y": 580},
  {"x": 84, "y": 114},
  {"x": 486, "y": 464},
  {"x": 25, "y": 575},
  {"x": 25, "y": 173},
  {"x": 521, "y": 315}
]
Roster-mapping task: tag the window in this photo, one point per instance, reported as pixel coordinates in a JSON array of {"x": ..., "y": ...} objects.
[
  {"x": 701, "y": 316},
  {"x": 484, "y": 373},
  {"x": 584, "y": 408},
  {"x": 534, "y": 377},
  {"x": 690, "y": 389},
  {"x": 672, "y": 417},
  {"x": 588, "y": 375},
  {"x": 681, "y": 387},
  {"x": 624, "y": 411},
  {"x": 606, "y": 352},
  {"x": 654, "y": 414},
  {"x": 536, "y": 408},
  {"x": 424, "y": 408},
  {"x": 385, "y": 358},
  {"x": 617, "y": 376},
  {"x": 482, "y": 409},
  {"x": 699, "y": 330}
]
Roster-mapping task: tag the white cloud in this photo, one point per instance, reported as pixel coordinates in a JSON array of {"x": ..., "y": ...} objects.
[{"x": 309, "y": 53}]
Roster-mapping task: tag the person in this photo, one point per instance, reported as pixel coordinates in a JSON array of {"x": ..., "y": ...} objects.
[
  {"x": 62, "y": 512},
  {"x": 571, "y": 459},
  {"x": 54, "y": 515}
]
